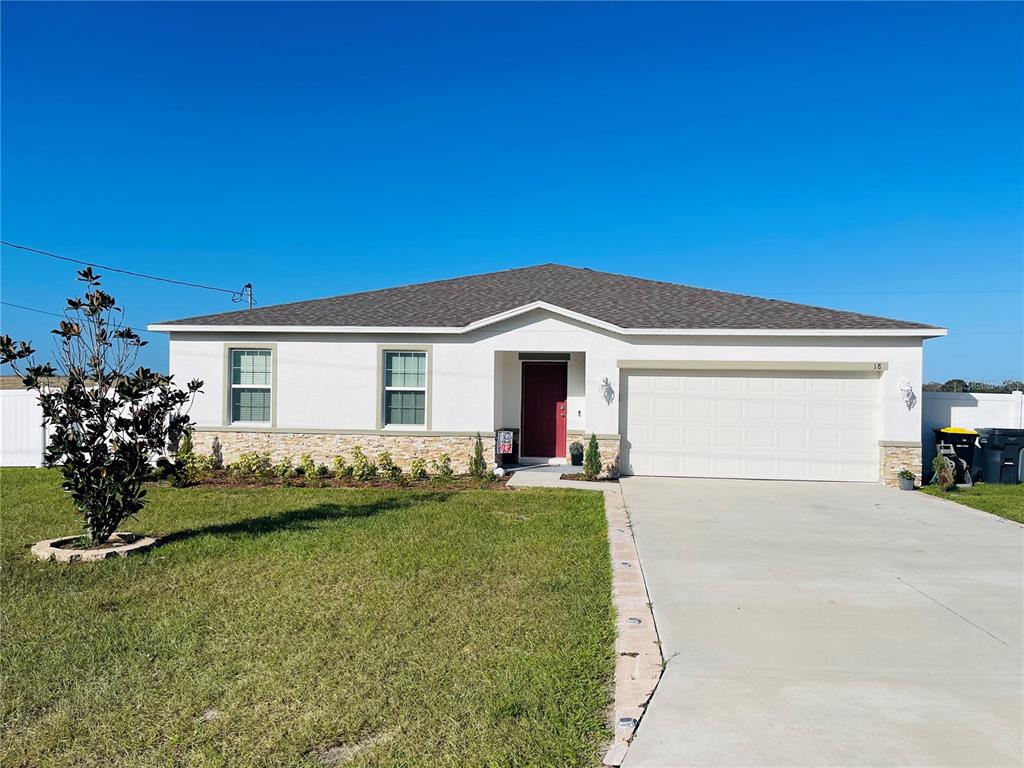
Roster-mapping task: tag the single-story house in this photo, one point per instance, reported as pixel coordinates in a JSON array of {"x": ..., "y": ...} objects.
[{"x": 674, "y": 380}]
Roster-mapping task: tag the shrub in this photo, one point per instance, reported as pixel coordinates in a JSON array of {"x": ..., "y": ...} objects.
[
  {"x": 322, "y": 470},
  {"x": 188, "y": 468},
  {"x": 418, "y": 469},
  {"x": 592, "y": 459},
  {"x": 387, "y": 468},
  {"x": 191, "y": 469},
  {"x": 185, "y": 444},
  {"x": 217, "y": 454},
  {"x": 442, "y": 468},
  {"x": 477, "y": 465},
  {"x": 252, "y": 464},
  {"x": 307, "y": 466},
  {"x": 284, "y": 468},
  {"x": 340, "y": 468},
  {"x": 362, "y": 467},
  {"x": 612, "y": 468},
  {"x": 107, "y": 421}
]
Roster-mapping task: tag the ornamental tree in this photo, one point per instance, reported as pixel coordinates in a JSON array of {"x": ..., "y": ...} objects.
[{"x": 108, "y": 422}]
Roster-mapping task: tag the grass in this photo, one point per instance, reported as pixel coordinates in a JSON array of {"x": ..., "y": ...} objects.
[
  {"x": 1003, "y": 500},
  {"x": 305, "y": 626}
]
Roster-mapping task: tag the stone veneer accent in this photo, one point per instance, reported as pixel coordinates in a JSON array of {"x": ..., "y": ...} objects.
[
  {"x": 323, "y": 447},
  {"x": 895, "y": 456},
  {"x": 608, "y": 445}
]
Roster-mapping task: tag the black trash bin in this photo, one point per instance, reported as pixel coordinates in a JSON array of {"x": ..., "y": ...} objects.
[
  {"x": 1001, "y": 457},
  {"x": 962, "y": 442}
]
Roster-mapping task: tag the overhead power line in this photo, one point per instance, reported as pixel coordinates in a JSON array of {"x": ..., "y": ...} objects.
[
  {"x": 243, "y": 295},
  {"x": 45, "y": 312}
]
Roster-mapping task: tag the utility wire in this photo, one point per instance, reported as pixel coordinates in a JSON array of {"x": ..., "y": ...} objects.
[
  {"x": 235, "y": 295},
  {"x": 44, "y": 312}
]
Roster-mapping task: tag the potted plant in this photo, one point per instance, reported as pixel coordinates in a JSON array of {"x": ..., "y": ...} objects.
[
  {"x": 906, "y": 480},
  {"x": 576, "y": 453}
]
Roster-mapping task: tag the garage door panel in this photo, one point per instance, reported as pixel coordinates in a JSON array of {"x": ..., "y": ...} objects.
[
  {"x": 756, "y": 426},
  {"x": 728, "y": 410},
  {"x": 763, "y": 410}
]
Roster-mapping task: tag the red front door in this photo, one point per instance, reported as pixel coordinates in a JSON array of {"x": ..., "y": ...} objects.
[{"x": 543, "y": 430}]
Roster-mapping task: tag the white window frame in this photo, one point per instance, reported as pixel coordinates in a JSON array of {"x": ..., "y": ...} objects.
[
  {"x": 384, "y": 388},
  {"x": 232, "y": 386}
]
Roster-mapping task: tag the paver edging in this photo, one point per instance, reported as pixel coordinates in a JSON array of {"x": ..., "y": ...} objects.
[
  {"x": 123, "y": 544},
  {"x": 639, "y": 662}
]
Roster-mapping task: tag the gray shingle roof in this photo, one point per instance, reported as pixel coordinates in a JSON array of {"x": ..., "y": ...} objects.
[{"x": 627, "y": 302}]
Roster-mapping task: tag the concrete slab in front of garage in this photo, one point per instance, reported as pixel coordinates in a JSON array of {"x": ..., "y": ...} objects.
[{"x": 810, "y": 624}]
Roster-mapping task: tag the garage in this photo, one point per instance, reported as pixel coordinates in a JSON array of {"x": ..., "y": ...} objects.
[{"x": 756, "y": 424}]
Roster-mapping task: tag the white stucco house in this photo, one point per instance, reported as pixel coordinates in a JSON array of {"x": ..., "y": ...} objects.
[{"x": 675, "y": 380}]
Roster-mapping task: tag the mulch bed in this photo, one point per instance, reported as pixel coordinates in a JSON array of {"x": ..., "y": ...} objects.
[
  {"x": 221, "y": 479},
  {"x": 583, "y": 478}
]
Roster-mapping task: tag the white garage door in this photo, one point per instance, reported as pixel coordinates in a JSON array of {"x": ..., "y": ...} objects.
[{"x": 748, "y": 425}]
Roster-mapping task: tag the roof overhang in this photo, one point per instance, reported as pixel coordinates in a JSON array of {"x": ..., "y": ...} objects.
[{"x": 543, "y": 305}]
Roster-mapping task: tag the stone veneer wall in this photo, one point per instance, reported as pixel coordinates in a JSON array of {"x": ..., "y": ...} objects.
[
  {"x": 323, "y": 447},
  {"x": 893, "y": 457},
  {"x": 608, "y": 445}
]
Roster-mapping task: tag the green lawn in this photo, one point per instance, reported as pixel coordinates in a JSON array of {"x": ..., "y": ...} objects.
[
  {"x": 302, "y": 626},
  {"x": 1003, "y": 500}
]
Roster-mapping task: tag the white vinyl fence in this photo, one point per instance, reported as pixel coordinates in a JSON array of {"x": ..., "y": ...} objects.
[
  {"x": 967, "y": 410},
  {"x": 22, "y": 439}
]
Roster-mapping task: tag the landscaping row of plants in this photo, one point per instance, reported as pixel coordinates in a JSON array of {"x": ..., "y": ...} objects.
[{"x": 191, "y": 468}]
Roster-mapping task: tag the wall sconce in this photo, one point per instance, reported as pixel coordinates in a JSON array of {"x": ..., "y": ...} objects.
[
  {"x": 907, "y": 393},
  {"x": 607, "y": 391}
]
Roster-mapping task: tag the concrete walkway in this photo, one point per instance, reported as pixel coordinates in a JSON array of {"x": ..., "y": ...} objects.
[{"x": 828, "y": 624}]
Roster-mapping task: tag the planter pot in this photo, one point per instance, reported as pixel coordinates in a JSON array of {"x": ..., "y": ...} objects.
[
  {"x": 906, "y": 483},
  {"x": 577, "y": 461}
]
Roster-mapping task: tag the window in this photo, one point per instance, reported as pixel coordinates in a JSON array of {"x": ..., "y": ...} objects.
[
  {"x": 250, "y": 385},
  {"x": 405, "y": 388}
]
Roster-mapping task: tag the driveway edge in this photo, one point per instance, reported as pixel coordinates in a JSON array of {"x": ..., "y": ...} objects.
[{"x": 638, "y": 660}]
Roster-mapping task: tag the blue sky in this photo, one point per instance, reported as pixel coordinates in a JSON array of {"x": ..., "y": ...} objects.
[{"x": 863, "y": 156}]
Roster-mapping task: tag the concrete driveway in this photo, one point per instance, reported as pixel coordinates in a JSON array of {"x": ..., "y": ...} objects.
[{"x": 828, "y": 624}]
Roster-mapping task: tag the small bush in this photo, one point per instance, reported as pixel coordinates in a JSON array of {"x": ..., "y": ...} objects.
[
  {"x": 307, "y": 466},
  {"x": 418, "y": 469},
  {"x": 612, "y": 468},
  {"x": 362, "y": 467},
  {"x": 442, "y": 468},
  {"x": 284, "y": 468},
  {"x": 191, "y": 469},
  {"x": 217, "y": 454},
  {"x": 387, "y": 468},
  {"x": 252, "y": 464},
  {"x": 340, "y": 468},
  {"x": 592, "y": 459},
  {"x": 322, "y": 470},
  {"x": 477, "y": 465},
  {"x": 185, "y": 444}
]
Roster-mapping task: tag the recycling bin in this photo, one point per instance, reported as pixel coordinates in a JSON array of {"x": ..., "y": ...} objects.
[
  {"x": 1001, "y": 455},
  {"x": 962, "y": 442}
]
